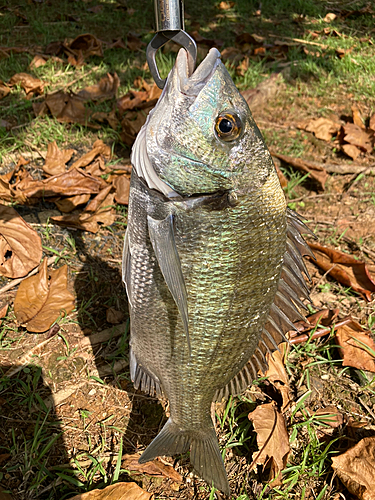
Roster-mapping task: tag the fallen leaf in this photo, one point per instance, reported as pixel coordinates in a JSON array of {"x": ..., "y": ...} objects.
[
  {"x": 70, "y": 183},
  {"x": 329, "y": 415},
  {"x": 138, "y": 99},
  {"x": 352, "y": 151},
  {"x": 99, "y": 148},
  {"x": 28, "y": 83},
  {"x": 20, "y": 245},
  {"x": 37, "y": 61},
  {"x": 249, "y": 39},
  {"x": 4, "y": 89},
  {"x": 98, "y": 212},
  {"x": 277, "y": 375},
  {"x": 371, "y": 125},
  {"x": 87, "y": 45},
  {"x": 322, "y": 128},
  {"x": 42, "y": 298},
  {"x": 272, "y": 440},
  {"x": 3, "y": 313},
  {"x": 118, "y": 491},
  {"x": 3, "y": 495},
  {"x": 67, "y": 205},
  {"x": 345, "y": 269},
  {"x": 263, "y": 92},
  {"x": 131, "y": 127},
  {"x": 318, "y": 173},
  {"x": 356, "y": 469},
  {"x": 209, "y": 42},
  {"x": 56, "y": 159},
  {"x": 133, "y": 42},
  {"x": 226, "y": 5},
  {"x": 357, "y": 117},
  {"x": 122, "y": 185},
  {"x": 113, "y": 316},
  {"x": 231, "y": 54},
  {"x": 357, "y": 347},
  {"x": 105, "y": 89},
  {"x": 329, "y": 17},
  {"x": 154, "y": 468},
  {"x": 355, "y": 135},
  {"x": 110, "y": 117}
]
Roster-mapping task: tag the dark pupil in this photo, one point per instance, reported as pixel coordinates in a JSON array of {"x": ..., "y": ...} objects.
[{"x": 225, "y": 126}]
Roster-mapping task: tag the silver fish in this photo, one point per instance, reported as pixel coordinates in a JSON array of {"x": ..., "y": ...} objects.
[{"x": 212, "y": 258}]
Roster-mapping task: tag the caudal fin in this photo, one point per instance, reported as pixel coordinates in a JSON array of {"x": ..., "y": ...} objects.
[{"x": 205, "y": 454}]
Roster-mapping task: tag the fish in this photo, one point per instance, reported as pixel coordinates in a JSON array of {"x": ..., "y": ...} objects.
[{"x": 213, "y": 258}]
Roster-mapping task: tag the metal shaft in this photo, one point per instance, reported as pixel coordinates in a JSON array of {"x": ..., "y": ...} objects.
[{"x": 169, "y": 15}]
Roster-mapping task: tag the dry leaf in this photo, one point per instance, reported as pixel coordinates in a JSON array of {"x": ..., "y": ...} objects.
[
  {"x": 154, "y": 468},
  {"x": 357, "y": 117},
  {"x": 316, "y": 172},
  {"x": 86, "y": 45},
  {"x": 356, "y": 469},
  {"x": 105, "y": 89},
  {"x": 37, "y": 61},
  {"x": 322, "y": 128},
  {"x": 56, "y": 159},
  {"x": 357, "y": 347},
  {"x": 113, "y": 316},
  {"x": 345, "y": 269},
  {"x": 67, "y": 205},
  {"x": 277, "y": 375},
  {"x": 263, "y": 92},
  {"x": 99, "y": 148},
  {"x": 350, "y": 150},
  {"x": 3, "y": 313},
  {"x": 355, "y": 135},
  {"x": 371, "y": 125},
  {"x": 122, "y": 185},
  {"x": 330, "y": 416},
  {"x": 4, "y": 89},
  {"x": 272, "y": 440},
  {"x": 20, "y": 245},
  {"x": 3, "y": 495},
  {"x": 42, "y": 298},
  {"x": 231, "y": 54},
  {"x": 28, "y": 83},
  {"x": 98, "y": 212},
  {"x": 330, "y": 17},
  {"x": 118, "y": 491},
  {"x": 226, "y": 5},
  {"x": 139, "y": 99}
]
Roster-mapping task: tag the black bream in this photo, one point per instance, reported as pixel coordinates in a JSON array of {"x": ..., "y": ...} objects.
[{"x": 212, "y": 258}]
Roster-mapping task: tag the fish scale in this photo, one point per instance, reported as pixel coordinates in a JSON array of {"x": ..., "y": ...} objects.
[{"x": 208, "y": 237}]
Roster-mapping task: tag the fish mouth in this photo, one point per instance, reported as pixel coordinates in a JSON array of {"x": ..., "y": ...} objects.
[{"x": 192, "y": 84}]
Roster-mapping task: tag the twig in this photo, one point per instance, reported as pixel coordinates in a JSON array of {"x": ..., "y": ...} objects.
[
  {"x": 319, "y": 333},
  {"x": 42, "y": 155},
  {"x": 355, "y": 179},
  {"x": 16, "y": 282},
  {"x": 299, "y": 40},
  {"x": 80, "y": 78}
]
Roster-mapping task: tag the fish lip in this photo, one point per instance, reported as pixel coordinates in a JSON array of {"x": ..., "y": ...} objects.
[{"x": 192, "y": 84}]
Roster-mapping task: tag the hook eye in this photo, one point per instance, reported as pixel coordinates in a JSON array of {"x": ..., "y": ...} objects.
[{"x": 160, "y": 39}]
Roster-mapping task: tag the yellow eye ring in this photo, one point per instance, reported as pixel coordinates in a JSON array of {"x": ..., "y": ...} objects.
[{"x": 228, "y": 126}]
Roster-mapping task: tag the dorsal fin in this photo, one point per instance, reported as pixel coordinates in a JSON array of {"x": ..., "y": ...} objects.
[
  {"x": 163, "y": 243},
  {"x": 285, "y": 309}
]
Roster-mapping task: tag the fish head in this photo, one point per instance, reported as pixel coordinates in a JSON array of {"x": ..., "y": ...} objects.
[{"x": 201, "y": 136}]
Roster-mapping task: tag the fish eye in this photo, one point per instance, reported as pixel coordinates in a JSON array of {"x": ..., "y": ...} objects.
[{"x": 228, "y": 126}]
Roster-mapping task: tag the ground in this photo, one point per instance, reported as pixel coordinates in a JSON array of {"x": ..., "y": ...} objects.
[{"x": 68, "y": 408}]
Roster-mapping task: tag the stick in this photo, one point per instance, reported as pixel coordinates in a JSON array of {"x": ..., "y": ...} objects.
[
  {"x": 319, "y": 333},
  {"x": 16, "y": 282},
  {"x": 299, "y": 40}
]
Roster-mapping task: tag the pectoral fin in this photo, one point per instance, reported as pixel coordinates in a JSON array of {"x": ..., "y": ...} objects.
[{"x": 163, "y": 243}]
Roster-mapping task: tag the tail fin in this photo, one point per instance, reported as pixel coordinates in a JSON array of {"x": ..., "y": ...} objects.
[{"x": 205, "y": 454}]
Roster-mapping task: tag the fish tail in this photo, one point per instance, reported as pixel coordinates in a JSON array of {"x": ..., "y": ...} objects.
[{"x": 205, "y": 454}]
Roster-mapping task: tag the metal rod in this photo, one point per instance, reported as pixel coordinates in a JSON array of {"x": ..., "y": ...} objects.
[{"x": 169, "y": 15}]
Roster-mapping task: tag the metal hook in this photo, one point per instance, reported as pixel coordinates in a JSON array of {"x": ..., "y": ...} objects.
[{"x": 160, "y": 39}]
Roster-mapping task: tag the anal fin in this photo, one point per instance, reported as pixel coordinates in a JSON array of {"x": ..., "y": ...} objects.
[
  {"x": 142, "y": 378},
  {"x": 163, "y": 243}
]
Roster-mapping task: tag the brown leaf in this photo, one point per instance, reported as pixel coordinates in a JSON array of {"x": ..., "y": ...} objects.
[
  {"x": 37, "y": 61},
  {"x": 322, "y": 128},
  {"x": 110, "y": 117},
  {"x": 98, "y": 211},
  {"x": 113, "y": 316},
  {"x": 277, "y": 375},
  {"x": 208, "y": 42},
  {"x": 70, "y": 183},
  {"x": 87, "y": 45},
  {"x": 3, "y": 313},
  {"x": 118, "y": 491},
  {"x": 4, "y": 89},
  {"x": 56, "y": 159},
  {"x": 3, "y": 495},
  {"x": 272, "y": 440},
  {"x": 99, "y": 148},
  {"x": 370, "y": 126},
  {"x": 356, "y": 469},
  {"x": 42, "y": 298},
  {"x": 105, "y": 89},
  {"x": 357, "y": 117},
  {"x": 351, "y": 151},
  {"x": 330, "y": 416},
  {"x": 330, "y": 17},
  {"x": 345, "y": 269},
  {"x": 154, "y": 468},
  {"x": 133, "y": 42},
  {"x": 355, "y": 135},
  {"x": 122, "y": 185},
  {"x": 263, "y": 92},
  {"x": 226, "y": 5},
  {"x": 231, "y": 54},
  {"x": 316, "y": 172},
  {"x": 20, "y": 245},
  {"x": 139, "y": 99},
  {"x": 357, "y": 347},
  {"x": 67, "y": 205},
  {"x": 131, "y": 127},
  {"x": 28, "y": 83}
]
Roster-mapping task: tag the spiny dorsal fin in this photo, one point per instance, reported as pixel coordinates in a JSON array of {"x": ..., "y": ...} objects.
[{"x": 163, "y": 243}]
